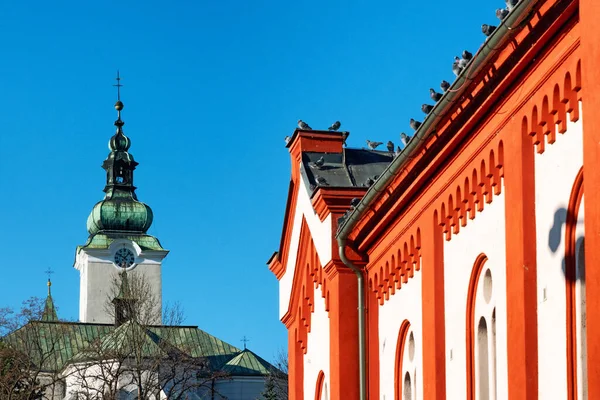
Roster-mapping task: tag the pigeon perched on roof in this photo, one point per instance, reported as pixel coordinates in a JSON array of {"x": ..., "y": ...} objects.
[
  {"x": 335, "y": 126},
  {"x": 435, "y": 96},
  {"x": 445, "y": 85},
  {"x": 354, "y": 202},
  {"x": 404, "y": 138},
  {"x": 456, "y": 68},
  {"x": 487, "y": 29},
  {"x": 502, "y": 13},
  {"x": 398, "y": 151},
  {"x": 317, "y": 164},
  {"x": 390, "y": 146},
  {"x": 414, "y": 124},
  {"x": 369, "y": 182},
  {"x": 303, "y": 125},
  {"x": 373, "y": 145},
  {"x": 426, "y": 108},
  {"x": 464, "y": 61},
  {"x": 320, "y": 180},
  {"x": 287, "y": 139},
  {"x": 510, "y": 4}
]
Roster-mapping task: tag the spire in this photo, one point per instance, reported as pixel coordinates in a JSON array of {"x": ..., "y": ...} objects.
[
  {"x": 124, "y": 302},
  {"x": 119, "y": 211},
  {"x": 49, "y": 313}
]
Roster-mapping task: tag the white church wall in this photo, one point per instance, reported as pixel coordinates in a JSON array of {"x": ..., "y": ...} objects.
[
  {"x": 316, "y": 358},
  {"x": 239, "y": 388},
  {"x": 484, "y": 234},
  {"x": 406, "y": 303},
  {"x": 321, "y": 233},
  {"x": 555, "y": 172},
  {"x": 97, "y": 276}
]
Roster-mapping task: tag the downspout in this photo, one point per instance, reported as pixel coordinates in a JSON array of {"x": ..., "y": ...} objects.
[
  {"x": 362, "y": 354},
  {"x": 509, "y": 26}
]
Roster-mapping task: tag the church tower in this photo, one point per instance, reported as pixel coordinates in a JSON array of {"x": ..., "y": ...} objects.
[{"x": 117, "y": 240}]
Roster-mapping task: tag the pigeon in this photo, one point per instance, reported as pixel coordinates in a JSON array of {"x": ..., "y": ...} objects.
[
  {"x": 287, "y": 139},
  {"x": 320, "y": 180},
  {"x": 390, "y": 146},
  {"x": 369, "y": 182},
  {"x": 303, "y": 125},
  {"x": 317, "y": 164},
  {"x": 426, "y": 108},
  {"x": 435, "y": 96},
  {"x": 501, "y": 13},
  {"x": 404, "y": 138},
  {"x": 373, "y": 145},
  {"x": 487, "y": 29},
  {"x": 354, "y": 202},
  {"x": 445, "y": 85},
  {"x": 456, "y": 68},
  {"x": 464, "y": 61},
  {"x": 398, "y": 151},
  {"x": 510, "y": 4},
  {"x": 414, "y": 124},
  {"x": 335, "y": 126}
]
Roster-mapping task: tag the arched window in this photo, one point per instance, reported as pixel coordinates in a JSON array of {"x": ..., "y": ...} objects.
[
  {"x": 575, "y": 292},
  {"x": 405, "y": 379},
  {"x": 320, "y": 387},
  {"x": 481, "y": 333}
]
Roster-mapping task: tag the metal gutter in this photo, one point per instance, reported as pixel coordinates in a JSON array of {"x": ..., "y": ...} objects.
[
  {"x": 362, "y": 354},
  {"x": 488, "y": 50}
]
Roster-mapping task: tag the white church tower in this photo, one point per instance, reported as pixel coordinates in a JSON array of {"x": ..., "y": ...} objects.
[{"x": 118, "y": 240}]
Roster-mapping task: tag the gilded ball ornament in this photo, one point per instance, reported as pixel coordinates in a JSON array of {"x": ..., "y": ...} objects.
[{"x": 119, "y": 105}]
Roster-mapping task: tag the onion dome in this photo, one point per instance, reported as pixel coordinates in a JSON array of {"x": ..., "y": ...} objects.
[{"x": 120, "y": 211}]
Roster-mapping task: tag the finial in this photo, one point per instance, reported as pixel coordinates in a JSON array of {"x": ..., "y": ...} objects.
[
  {"x": 49, "y": 272},
  {"x": 119, "y": 103},
  {"x": 245, "y": 340}
]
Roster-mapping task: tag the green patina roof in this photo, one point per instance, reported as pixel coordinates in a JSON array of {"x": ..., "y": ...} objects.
[
  {"x": 53, "y": 345},
  {"x": 49, "y": 313},
  {"x": 248, "y": 363},
  {"x": 104, "y": 240}
]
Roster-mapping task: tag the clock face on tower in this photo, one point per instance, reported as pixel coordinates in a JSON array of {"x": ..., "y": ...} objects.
[{"x": 124, "y": 258}]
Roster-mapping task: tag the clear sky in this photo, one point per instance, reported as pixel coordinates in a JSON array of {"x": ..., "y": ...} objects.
[{"x": 210, "y": 90}]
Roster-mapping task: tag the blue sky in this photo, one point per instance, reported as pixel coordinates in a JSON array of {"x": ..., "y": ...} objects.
[{"x": 210, "y": 90}]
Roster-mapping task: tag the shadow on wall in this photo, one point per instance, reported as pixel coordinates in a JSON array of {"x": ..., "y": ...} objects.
[{"x": 556, "y": 235}]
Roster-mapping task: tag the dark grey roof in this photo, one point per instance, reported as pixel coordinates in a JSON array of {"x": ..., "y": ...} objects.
[{"x": 349, "y": 169}]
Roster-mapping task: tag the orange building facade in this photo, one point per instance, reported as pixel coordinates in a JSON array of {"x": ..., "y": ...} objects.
[{"x": 466, "y": 270}]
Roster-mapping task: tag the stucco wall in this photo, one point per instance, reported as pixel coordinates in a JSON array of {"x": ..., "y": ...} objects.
[
  {"x": 555, "y": 173},
  {"x": 321, "y": 234},
  {"x": 316, "y": 358},
  {"x": 404, "y": 304},
  {"x": 485, "y": 234}
]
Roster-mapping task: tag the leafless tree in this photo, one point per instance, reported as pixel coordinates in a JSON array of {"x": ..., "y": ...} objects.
[
  {"x": 29, "y": 366},
  {"x": 276, "y": 383},
  {"x": 145, "y": 360}
]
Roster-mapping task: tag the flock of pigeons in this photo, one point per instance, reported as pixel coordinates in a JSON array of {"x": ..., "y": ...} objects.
[{"x": 458, "y": 66}]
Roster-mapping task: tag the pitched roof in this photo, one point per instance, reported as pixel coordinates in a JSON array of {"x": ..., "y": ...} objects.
[
  {"x": 349, "y": 169},
  {"x": 248, "y": 363},
  {"x": 53, "y": 344}
]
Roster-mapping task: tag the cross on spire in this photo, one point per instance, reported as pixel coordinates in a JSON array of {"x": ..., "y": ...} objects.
[
  {"x": 49, "y": 272},
  {"x": 118, "y": 86},
  {"x": 245, "y": 340}
]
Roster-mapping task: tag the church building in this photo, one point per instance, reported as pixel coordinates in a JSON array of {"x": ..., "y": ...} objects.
[
  {"x": 122, "y": 348},
  {"x": 459, "y": 267}
]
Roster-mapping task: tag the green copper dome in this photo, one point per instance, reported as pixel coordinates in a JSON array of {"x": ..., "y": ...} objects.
[
  {"x": 125, "y": 215},
  {"x": 120, "y": 211}
]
